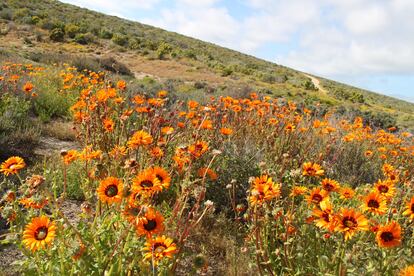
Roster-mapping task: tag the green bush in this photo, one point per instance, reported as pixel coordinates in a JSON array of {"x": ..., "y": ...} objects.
[
  {"x": 21, "y": 13},
  {"x": 6, "y": 14},
  {"x": 163, "y": 50},
  {"x": 120, "y": 39},
  {"x": 83, "y": 38},
  {"x": 226, "y": 71},
  {"x": 112, "y": 65},
  {"x": 134, "y": 43},
  {"x": 105, "y": 34},
  {"x": 72, "y": 30},
  {"x": 57, "y": 35},
  {"x": 309, "y": 85}
]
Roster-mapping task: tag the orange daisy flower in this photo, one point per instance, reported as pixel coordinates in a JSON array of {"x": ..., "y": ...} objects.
[
  {"x": 408, "y": 271},
  {"x": 28, "y": 87},
  {"x": 374, "y": 203},
  {"x": 350, "y": 221},
  {"x": 69, "y": 156},
  {"x": 316, "y": 196},
  {"x": 39, "y": 233},
  {"x": 347, "y": 193},
  {"x": 324, "y": 217},
  {"x": 298, "y": 190},
  {"x": 409, "y": 210},
  {"x": 162, "y": 175},
  {"x": 330, "y": 185},
  {"x": 389, "y": 235},
  {"x": 108, "y": 124},
  {"x": 385, "y": 188},
  {"x": 146, "y": 183},
  {"x": 312, "y": 169},
  {"x": 110, "y": 190},
  {"x": 198, "y": 148},
  {"x": 158, "y": 248},
  {"x": 263, "y": 189},
  {"x": 226, "y": 131},
  {"x": 151, "y": 223},
  {"x": 12, "y": 165},
  {"x": 139, "y": 138}
]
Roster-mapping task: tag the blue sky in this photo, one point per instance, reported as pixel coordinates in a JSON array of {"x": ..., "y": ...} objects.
[{"x": 366, "y": 43}]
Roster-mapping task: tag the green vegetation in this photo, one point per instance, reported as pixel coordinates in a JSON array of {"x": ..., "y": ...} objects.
[{"x": 78, "y": 28}]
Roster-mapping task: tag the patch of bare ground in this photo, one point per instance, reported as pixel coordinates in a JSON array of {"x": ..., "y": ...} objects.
[{"x": 50, "y": 145}]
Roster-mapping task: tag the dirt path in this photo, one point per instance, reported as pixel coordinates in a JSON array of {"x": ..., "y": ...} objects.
[{"x": 316, "y": 82}]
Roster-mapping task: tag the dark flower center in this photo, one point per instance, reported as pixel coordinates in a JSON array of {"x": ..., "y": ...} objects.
[
  {"x": 147, "y": 184},
  {"x": 111, "y": 191},
  {"x": 349, "y": 222},
  {"x": 329, "y": 187},
  {"x": 199, "y": 147},
  {"x": 317, "y": 198},
  {"x": 150, "y": 225},
  {"x": 412, "y": 208},
  {"x": 159, "y": 177},
  {"x": 325, "y": 216},
  {"x": 41, "y": 233},
  {"x": 159, "y": 247},
  {"x": 372, "y": 203},
  {"x": 387, "y": 236},
  {"x": 383, "y": 189}
]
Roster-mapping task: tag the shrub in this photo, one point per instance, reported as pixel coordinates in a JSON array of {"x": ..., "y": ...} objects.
[
  {"x": 134, "y": 43},
  {"x": 57, "y": 35},
  {"x": 105, "y": 34},
  {"x": 163, "y": 50},
  {"x": 72, "y": 30},
  {"x": 83, "y": 38},
  {"x": 120, "y": 39},
  {"x": 226, "y": 71},
  {"x": 115, "y": 66},
  {"x": 309, "y": 85},
  {"x": 6, "y": 14}
]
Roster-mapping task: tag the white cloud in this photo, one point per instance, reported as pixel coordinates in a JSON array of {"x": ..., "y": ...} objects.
[
  {"x": 329, "y": 37},
  {"x": 209, "y": 23},
  {"x": 114, "y": 7}
]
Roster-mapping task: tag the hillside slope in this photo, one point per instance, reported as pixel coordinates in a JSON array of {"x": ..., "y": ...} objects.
[{"x": 92, "y": 40}]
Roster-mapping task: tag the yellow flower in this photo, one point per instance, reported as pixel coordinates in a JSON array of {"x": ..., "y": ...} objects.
[
  {"x": 139, "y": 138},
  {"x": 158, "y": 248},
  {"x": 389, "y": 235},
  {"x": 12, "y": 165},
  {"x": 263, "y": 189},
  {"x": 409, "y": 210},
  {"x": 151, "y": 223},
  {"x": 312, "y": 169},
  {"x": 110, "y": 190},
  {"x": 350, "y": 222},
  {"x": 330, "y": 185},
  {"x": 39, "y": 233},
  {"x": 146, "y": 183},
  {"x": 375, "y": 203}
]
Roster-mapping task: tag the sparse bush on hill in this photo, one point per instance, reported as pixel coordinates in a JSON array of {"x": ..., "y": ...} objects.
[
  {"x": 105, "y": 34},
  {"x": 112, "y": 65},
  {"x": 72, "y": 30},
  {"x": 57, "y": 35},
  {"x": 163, "y": 50},
  {"x": 120, "y": 39},
  {"x": 84, "y": 38}
]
